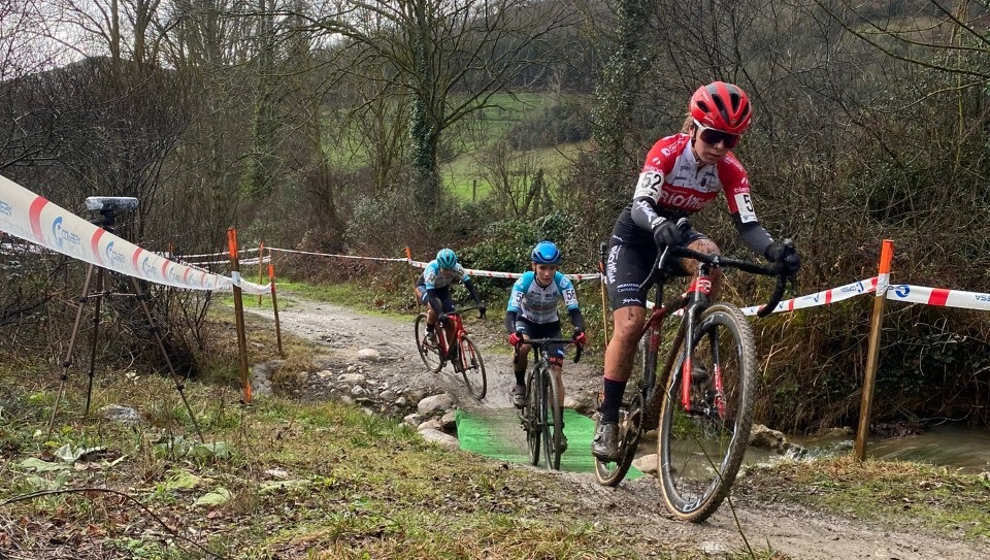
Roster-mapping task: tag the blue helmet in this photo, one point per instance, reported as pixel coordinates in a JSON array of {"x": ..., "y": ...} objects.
[
  {"x": 546, "y": 252},
  {"x": 446, "y": 258}
]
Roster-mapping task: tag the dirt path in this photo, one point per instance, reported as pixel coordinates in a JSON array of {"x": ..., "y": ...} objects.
[{"x": 794, "y": 530}]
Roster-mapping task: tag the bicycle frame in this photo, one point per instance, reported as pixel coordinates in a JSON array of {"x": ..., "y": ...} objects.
[
  {"x": 458, "y": 325},
  {"x": 694, "y": 302}
]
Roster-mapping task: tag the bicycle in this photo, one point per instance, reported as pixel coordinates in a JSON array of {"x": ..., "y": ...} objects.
[
  {"x": 542, "y": 415},
  {"x": 466, "y": 359},
  {"x": 704, "y": 411}
]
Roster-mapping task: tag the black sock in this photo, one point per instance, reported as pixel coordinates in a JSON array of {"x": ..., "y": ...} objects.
[
  {"x": 521, "y": 377},
  {"x": 612, "y": 401}
]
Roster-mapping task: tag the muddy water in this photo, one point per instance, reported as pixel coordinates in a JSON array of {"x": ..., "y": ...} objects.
[{"x": 964, "y": 449}]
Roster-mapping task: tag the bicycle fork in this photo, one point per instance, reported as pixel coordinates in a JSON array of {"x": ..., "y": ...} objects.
[{"x": 698, "y": 291}]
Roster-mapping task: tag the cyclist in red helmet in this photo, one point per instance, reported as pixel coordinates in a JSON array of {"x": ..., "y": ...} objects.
[{"x": 683, "y": 173}]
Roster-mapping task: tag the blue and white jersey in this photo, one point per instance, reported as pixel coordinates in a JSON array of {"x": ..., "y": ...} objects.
[
  {"x": 538, "y": 304},
  {"x": 435, "y": 277}
]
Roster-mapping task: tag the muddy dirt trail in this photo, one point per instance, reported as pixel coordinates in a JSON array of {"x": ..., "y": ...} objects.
[{"x": 794, "y": 530}]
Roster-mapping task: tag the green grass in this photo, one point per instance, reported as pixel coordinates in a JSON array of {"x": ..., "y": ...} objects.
[
  {"x": 887, "y": 491},
  {"x": 361, "y": 486},
  {"x": 459, "y": 174}
]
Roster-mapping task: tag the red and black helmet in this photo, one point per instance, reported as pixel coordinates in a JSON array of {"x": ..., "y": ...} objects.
[{"x": 721, "y": 106}]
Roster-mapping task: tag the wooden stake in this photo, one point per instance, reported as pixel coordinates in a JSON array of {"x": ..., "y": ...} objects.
[
  {"x": 278, "y": 328},
  {"x": 239, "y": 313},
  {"x": 872, "y": 355},
  {"x": 261, "y": 267}
]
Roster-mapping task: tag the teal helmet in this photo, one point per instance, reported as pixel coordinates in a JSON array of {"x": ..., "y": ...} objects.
[
  {"x": 446, "y": 258},
  {"x": 545, "y": 252}
]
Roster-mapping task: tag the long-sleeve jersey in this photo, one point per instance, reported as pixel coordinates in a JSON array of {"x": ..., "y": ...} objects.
[
  {"x": 538, "y": 304},
  {"x": 672, "y": 185}
]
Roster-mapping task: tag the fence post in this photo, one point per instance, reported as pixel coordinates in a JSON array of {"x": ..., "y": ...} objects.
[
  {"x": 278, "y": 328},
  {"x": 408, "y": 254},
  {"x": 261, "y": 267},
  {"x": 239, "y": 312},
  {"x": 872, "y": 355}
]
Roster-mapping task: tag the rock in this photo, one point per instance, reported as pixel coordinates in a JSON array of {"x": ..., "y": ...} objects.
[
  {"x": 440, "y": 438},
  {"x": 764, "y": 437},
  {"x": 387, "y": 395},
  {"x": 448, "y": 422},
  {"x": 369, "y": 355},
  {"x": 413, "y": 419},
  {"x": 358, "y": 390},
  {"x": 434, "y": 404},
  {"x": 261, "y": 375},
  {"x": 715, "y": 548},
  {"x": 401, "y": 402},
  {"x": 346, "y": 399},
  {"x": 351, "y": 378},
  {"x": 121, "y": 414},
  {"x": 278, "y": 473},
  {"x": 325, "y": 374},
  {"x": 836, "y": 432},
  {"x": 432, "y": 424},
  {"x": 844, "y": 445},
  {"x": 647, "y": 464},
  {"x": 571, "y": 402}
]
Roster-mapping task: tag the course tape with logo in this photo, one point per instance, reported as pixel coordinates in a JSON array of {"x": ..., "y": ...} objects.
[{"x": 33, "y": 218}]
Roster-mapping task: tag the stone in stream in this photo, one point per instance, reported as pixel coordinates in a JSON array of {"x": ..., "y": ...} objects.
[
  {"x": 434, "y": 404},
  {"x": 647, "y": 464}
]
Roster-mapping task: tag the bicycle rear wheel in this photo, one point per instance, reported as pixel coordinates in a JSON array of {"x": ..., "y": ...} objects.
[
  {"x": 531, "y": 417},
  {"x": 611, "y": 473},
  {"x": 702, "y": 446},
  {"x": 553, "y": 421},
  {"x": 473, "y": 369},
  {"x": 428, "y": 349}
]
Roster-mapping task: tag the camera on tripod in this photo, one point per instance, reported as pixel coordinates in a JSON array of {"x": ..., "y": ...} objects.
[{"x": 107, "y": 206}]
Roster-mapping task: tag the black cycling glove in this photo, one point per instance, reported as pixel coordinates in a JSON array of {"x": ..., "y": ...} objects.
[{"x": 785, "y": 256}]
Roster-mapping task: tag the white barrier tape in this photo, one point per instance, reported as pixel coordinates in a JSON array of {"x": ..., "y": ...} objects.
[
  {"x": 187, "y": 257},
  {"x": 35, "y": 219},
  {"x": 383, "y": 259},
  {"x": 227, "y": 261},
  {"x": 826, "y": 297},
  {"x": 511, "y": 275},
  {"x": 939, "y": 297}
]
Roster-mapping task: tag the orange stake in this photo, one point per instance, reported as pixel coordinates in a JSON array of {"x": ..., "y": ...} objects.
[
  {"x": 872, "y": 354},
  {"x": 239, "y": 313}
]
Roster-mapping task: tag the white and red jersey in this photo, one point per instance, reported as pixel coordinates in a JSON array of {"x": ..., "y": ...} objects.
[
  {"x": 672, "y": 178},
  {"x": 678, "y": 186}
]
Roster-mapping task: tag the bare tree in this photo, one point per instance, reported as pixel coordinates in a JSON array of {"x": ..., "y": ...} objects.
[{"x": 450, "y": 57}]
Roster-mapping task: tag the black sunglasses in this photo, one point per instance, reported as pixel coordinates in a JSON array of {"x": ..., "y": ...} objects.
[{"x": 713, "y": 136}]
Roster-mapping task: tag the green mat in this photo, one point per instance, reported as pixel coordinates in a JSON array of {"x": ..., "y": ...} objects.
[{"x": 499, "y": 434}]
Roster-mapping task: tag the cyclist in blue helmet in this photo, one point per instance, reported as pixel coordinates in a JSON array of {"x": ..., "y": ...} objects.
[
  {"x": 433, "y": 288},
  {"x": 532, "y": 313}
]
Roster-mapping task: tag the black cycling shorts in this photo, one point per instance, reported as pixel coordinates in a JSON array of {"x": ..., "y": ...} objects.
[
  {"x": 628, "y": 265},
  {"x": 442, "y": 293},
  {"x": 543, "y": 330}
]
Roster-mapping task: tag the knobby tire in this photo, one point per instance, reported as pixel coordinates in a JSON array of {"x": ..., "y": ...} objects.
[
  {"x": 473, "y": 369},
  {"x": 428, "y": 352},
  {"x": 694, "y": 480}
]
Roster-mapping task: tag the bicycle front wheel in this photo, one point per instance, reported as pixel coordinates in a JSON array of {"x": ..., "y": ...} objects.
[
  {"x": 553, "y": 421},
  {"x": 531, "y": 417},
  {"x": 427, "y": 347},
  {"x": 702, "y": 441},
  {"x": 473, "y": 369}
]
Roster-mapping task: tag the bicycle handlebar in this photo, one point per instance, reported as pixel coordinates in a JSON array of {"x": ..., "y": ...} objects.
[
  {"x": 463, "y": 309},
  {"x": 548, "y": 341},
  {"x": 720, "y": 261}
]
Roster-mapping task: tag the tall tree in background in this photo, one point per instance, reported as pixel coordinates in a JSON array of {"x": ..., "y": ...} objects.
[
  {"x": 451, "y": 57},
  {"x": 617, "y": 90}
]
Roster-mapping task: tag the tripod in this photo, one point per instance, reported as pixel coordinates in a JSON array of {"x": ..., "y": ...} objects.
[{"x": 106, "y": 221}]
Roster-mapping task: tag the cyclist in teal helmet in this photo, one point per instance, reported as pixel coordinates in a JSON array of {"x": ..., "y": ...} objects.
[
  {"x": 433, "y": 288},
  {"x": 532, "y": 313}
]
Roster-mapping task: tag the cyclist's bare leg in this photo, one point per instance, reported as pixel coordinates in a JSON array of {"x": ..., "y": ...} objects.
[
  {"x": 627, "y": 322},
  {"x": 707, "y": 246},
  {"x": 521, "y": 358},
  {"x": 557, "y": 371}
]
